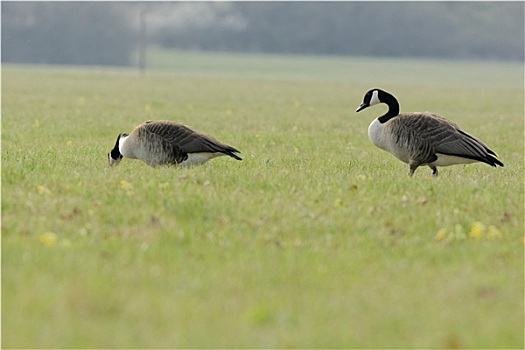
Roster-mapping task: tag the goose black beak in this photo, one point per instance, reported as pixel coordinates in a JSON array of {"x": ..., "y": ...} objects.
[{"x": 361, "y": 107}]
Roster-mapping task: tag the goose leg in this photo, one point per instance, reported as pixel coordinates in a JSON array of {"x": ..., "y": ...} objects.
[
  {"x": 434, "y": 170},
  {"x": 413, "y": 166}
]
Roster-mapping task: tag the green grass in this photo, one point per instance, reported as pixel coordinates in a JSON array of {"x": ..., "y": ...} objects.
[{"x": 316, "y": 239}]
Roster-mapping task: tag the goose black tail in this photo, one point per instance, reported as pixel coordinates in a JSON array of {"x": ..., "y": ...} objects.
[
  {"x": 491, "y": 160},
  {"x": 230, "y": 152}
]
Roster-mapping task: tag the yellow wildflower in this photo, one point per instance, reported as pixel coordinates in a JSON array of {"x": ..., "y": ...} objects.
[
  {"x": 41, "y": 189},
  {"x": 441, "y": 234},
  {"x": 476, "y": 230},
  {"x": 494, "y": 233},
  {"x": 48, "y": 238},
  {"x": 124, "y": 185}
]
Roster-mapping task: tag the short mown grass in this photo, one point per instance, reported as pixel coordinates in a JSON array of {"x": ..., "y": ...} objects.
[{"x": 316, "y": 239}]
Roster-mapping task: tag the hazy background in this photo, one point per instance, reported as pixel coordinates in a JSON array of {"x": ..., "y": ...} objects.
[{"x": 110, "y": 33}]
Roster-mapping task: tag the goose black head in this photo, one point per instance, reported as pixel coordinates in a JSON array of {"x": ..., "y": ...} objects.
[
  {"x": 114, "y": 156},
  {"x": 372, "y": 97}
]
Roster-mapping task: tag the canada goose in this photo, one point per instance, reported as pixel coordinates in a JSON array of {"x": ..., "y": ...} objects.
[
  {"x": 423, "y": 138},
  {"x": 164, "y": 142}
]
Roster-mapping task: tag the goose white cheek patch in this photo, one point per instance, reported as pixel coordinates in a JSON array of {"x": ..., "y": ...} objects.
[
  {"x": 375, "y": 98},
  {"x": 121, "y": 142}
]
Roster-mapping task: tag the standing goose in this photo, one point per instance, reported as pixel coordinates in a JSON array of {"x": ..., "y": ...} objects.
[
  {"x": 423, "y": 138},
  {"x": 164, "y": 142}
]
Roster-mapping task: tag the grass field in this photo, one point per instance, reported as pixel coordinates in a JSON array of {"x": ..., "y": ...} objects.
[{"x": 316, "y": 239}]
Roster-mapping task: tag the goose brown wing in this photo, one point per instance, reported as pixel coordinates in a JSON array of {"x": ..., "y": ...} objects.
[
  {"x": 447, "y": 138},
  {"x": 187, "y": 139}
]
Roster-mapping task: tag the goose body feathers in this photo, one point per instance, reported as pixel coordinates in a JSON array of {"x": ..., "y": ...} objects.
[
  {"x": 164, "y": 142},
  {"x": 423, "y": 138}
]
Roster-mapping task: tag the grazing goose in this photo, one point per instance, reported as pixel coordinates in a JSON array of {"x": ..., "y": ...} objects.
[
  {"x": 423, "y": 138},
  {"x": 163, "y": 142}
]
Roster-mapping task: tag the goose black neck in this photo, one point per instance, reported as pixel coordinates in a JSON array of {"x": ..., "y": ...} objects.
[
  {"x": 115, "y": 152},
  {"x": 393, "y": 107}
]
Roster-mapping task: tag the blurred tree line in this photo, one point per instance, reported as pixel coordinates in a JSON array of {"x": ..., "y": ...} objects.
[
  {"x": 97, "y": 33},
  {"x": 107, "y": 32}
]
